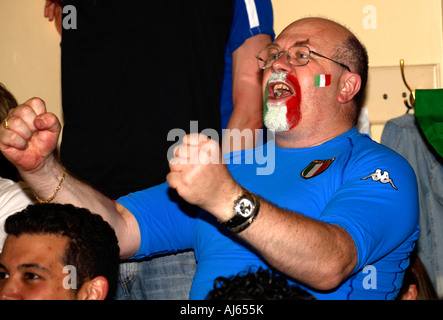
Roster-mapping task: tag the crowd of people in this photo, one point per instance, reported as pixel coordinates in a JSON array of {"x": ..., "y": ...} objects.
[{"x": 111, "y": 203}]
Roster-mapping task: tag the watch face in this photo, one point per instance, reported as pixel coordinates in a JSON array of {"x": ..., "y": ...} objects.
[{"x": 244, "y": 207}]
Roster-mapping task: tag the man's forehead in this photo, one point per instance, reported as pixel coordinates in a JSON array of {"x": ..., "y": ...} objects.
[
  {"x": 31, "y": 248},
  {"x": 315, "y": 30},
  {"x": 290, "y": 42},
  {"x": 302, "y": 42}
]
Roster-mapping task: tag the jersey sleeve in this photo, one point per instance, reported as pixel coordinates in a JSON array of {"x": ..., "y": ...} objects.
[
  {"x": 165, "y": 220},
  {"x": 377, "y": 205},
  {"x": 251, "y": 17}
]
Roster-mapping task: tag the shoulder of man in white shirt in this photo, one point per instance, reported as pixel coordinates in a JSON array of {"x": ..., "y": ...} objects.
[{"x": 14, "y": 197}]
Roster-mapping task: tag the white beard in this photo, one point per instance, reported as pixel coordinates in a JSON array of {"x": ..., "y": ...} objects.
[{"x": 275, "y": 117}]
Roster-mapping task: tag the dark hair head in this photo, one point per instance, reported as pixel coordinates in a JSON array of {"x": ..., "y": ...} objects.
[
  {"x": 7, "y": 102},
  {"x": 92, "y": 244},
  {"x": 417, "y": 274},
  {"x": 259, "y": 285}
]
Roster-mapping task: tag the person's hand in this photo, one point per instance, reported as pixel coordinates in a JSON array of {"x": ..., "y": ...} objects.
[
  {"x": 29, "y": 135},
  {"x": 201, "y": 178},
  {"x": 50, "y": 6},
  {"x": 53, "y": 10}
]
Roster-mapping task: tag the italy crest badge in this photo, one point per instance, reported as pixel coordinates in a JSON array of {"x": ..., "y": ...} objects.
[{"x": 315, "y": 168}]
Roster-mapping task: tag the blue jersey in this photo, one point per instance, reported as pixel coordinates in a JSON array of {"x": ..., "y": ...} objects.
[
  {"x": 251, "y": 17},
  {"x": 350, "y": 181}
]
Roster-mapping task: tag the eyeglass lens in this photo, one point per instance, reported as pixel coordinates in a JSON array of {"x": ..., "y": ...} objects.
[{"x": 298, "y": 56}]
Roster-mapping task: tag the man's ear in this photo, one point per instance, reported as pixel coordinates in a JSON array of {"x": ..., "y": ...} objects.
[
  {"x": 350, "y": 87},
  {"x": 95, "y": 289},
  {"x": 411, "y": 293}
]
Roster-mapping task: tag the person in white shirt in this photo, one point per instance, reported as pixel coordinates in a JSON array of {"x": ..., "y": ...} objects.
[
  {"x": 14, "y": 197},
  {"x": 14, "y": 194}
]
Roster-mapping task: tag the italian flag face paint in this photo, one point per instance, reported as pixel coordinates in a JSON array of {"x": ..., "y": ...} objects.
[
  {"x": 282, "y": 115},
  {"x": 322, "y": 80}
]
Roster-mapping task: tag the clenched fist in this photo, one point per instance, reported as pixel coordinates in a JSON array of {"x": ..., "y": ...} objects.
[
  {"x": 201, "y": 178},
  {"x": 31, "y": 135}
]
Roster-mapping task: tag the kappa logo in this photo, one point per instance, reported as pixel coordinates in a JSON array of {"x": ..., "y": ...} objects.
[
  {"x": 382, "y": 177},
  {"x": 315, "y": 168}
]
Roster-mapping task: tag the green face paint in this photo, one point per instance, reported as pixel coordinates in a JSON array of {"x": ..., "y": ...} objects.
[
  {"x": 322, "y": 80},
  {"x": 265, "y": 100}
]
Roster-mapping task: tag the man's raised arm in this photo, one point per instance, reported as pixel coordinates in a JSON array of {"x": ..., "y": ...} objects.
[{"x": 28, "y": 138}]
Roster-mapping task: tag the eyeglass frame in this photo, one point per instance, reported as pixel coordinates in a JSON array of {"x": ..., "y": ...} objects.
[{"x": 280, "y": 53}]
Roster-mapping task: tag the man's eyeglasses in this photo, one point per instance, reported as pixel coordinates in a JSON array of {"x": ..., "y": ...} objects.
[{"x": 297, "y": 56}]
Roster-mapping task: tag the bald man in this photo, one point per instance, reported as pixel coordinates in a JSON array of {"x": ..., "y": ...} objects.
[{"x": 316, "y": 218}]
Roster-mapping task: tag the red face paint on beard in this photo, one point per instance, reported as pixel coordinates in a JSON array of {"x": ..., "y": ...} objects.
[{"x": 293, "y": 115}]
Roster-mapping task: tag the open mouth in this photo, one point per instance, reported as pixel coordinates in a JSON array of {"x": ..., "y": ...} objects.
[
  {"x": 281, "y": 90},
  {"x": 281, "y": 86},
  {"x": 282, "y": 104}
]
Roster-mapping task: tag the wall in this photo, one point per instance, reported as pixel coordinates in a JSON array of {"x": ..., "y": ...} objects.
[
  {"x": 30, "y": 53},
  {"x": 404, "y": 28},
  {"x": 391, "y": 30}
]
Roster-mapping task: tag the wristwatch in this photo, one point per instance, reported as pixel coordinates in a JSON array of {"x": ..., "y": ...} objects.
[{"x": 246, "y": 209}]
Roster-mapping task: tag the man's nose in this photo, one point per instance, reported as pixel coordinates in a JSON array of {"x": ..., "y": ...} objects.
[
  {"x": 9, "y": 291},
  {"x": 282, "y": 64}
]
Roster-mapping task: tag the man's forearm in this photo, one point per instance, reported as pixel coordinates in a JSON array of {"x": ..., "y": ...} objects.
[{"x": 316, "y": 253}]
